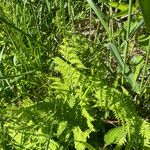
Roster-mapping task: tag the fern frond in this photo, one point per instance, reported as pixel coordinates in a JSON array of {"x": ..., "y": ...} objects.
[
  {"x": 145, "y": 131},
  {"x": 70, "y": 75},
  {"x": 122, "y": 107},
  {"x": 115, "y": 136},
  {"x": 76, "y": 87},
  {"x": 80, "y": 138}
]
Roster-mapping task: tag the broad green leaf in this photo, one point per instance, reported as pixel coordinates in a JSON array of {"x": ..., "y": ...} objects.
[
  {"x": 138, "y": 62},
  {"x": 145, "y": 8},
  {"x": 120, "y": 6},
  {"x": 136, "y": 28},
  {"x": 123, "y": 7}
]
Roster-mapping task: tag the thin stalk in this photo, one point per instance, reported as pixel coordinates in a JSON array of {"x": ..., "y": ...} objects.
[
  {"x": 71, "y": 14},
  {"x": 142, "y": 86},
  {"x": 48, "y": 6},
  {"x": 127, "y": 35},
  {"x": 49, "y": 138},
  {"x": 111, "y": 20},
  {"x": 111, "y": 30},
  {"x": 62, "y": 4},
  {"x": 90, "y": 23}
]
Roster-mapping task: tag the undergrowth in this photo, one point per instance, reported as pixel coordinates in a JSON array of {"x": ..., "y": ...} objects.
[{"x": 66, "y": 81}]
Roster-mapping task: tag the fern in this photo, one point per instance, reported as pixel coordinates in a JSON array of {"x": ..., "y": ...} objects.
[
  {"x": 116, "y": 136},
  {"x": 122, "y": 107},
  {"x": 73, "y": 81},
  {"x": 78, "y": 102},
  {"x": 132, "y": 131},
  {"x": 80, "y": 138}
]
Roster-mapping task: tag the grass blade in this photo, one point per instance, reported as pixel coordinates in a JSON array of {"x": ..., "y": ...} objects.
[
  {"x": 127, "y": 72},
  {"x": 48, "y": 6},
  {"x": 144, "y": 5},
  {"x": 145, "y": 66}
]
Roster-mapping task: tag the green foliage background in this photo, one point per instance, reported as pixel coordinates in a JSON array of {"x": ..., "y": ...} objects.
[{"x": 73, "y": 75}]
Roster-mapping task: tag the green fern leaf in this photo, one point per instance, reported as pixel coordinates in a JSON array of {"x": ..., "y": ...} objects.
[
  {"x": 80, "y": 138},
  {"x": 115, "y": 136},
  {"x": 62, "y": 126}
]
